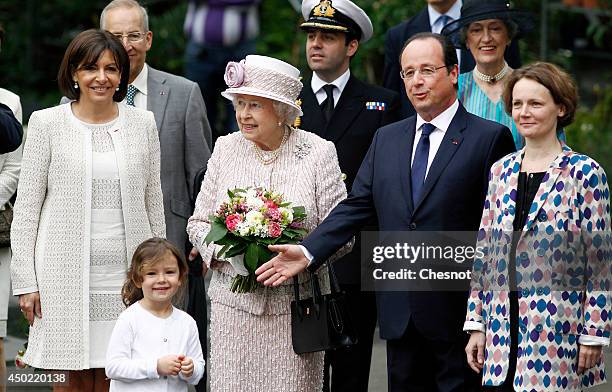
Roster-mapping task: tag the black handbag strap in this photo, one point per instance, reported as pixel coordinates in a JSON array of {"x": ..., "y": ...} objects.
[{"x": 333, "y": 280}]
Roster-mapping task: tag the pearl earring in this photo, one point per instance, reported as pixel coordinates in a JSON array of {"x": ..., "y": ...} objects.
[
  {"x": 279, "y": 124},
  {"x": 76, "y": 85},
  {"x": 117, "y": 89}
]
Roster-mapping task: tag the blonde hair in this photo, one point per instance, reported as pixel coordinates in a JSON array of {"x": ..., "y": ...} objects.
[{"x": 150, "y": 252}]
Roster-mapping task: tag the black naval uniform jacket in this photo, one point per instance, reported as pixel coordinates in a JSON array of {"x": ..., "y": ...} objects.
[{"x": 360, "y": 111}]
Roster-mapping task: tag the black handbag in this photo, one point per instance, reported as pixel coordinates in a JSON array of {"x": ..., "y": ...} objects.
[{"x": 321, "y": 322}]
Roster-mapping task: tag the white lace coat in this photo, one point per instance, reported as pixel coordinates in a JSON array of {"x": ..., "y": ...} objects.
[{"x": 51, "y": 226}]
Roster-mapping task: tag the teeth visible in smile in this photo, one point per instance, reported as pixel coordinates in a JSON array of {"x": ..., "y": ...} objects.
[
  {"x": 99, "y": 88},
  {"x": 488, "y": 48}
]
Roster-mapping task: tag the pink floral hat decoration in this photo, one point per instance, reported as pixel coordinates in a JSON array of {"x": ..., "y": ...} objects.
[{"x": 263, "y": 76}]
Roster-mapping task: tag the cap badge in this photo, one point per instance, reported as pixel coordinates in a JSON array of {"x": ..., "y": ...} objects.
[{"x": 324, "y": 9}]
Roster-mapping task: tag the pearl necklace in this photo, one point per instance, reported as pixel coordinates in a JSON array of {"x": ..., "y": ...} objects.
[
  {"x": 267, "y": 157},
  {"x": 492, "y": 79}
]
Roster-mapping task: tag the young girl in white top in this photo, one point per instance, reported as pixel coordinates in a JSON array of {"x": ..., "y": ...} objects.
[{"x": 154, "y": 346}]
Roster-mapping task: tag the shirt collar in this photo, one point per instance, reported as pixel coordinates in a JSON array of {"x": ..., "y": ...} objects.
[
  {"x": 317, "y": 83},
  {"x": 141, "y": 80},
  {"x": 443, "y": 120},
  {"x": 454, "y": 12}
]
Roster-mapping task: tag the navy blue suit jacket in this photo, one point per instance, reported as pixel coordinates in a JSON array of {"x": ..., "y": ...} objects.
[
  {"x": 452, "y": 200},
  {"x": 394, "y": 42},
  {"x": 10, "y": 130}
]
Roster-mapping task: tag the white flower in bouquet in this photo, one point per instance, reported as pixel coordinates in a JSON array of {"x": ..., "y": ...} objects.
[
  {"x": 253, "y": 200},
  {"x": 287, "y": 215},
  {"x": 243, "y": 228},
  {"x": 254, "y": 218}
]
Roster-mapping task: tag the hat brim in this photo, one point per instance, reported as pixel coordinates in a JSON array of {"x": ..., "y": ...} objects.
[
  {"x": 230, "y": 93},
  {"x": 524, "y": 20}
]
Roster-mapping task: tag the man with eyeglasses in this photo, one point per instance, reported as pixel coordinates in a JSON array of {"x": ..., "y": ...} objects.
[
  {"x": 428, "y": 172},
  {"x": 341, "y": 108},
  {"x": 180, "y": 114},
  {"x": 178, "y": 106}
]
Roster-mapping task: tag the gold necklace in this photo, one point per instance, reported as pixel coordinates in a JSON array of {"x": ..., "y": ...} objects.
[{"x": 267, "y": 157}]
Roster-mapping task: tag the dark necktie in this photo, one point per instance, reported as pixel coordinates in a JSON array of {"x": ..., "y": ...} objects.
[
  {"x": 419, "y": 164},
  {"x": 131, "y": 93},
  {"x": 328, "y": 105},
  {"x": 442, "y": 21}
]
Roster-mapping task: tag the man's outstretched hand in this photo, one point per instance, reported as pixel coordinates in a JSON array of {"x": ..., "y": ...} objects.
[{"x": 289, "y": 262}]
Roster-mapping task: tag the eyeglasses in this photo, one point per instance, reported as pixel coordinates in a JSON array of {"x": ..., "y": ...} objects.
[
  {"x": 426, "y": 72},
  {"x": 131, "y": 37}
]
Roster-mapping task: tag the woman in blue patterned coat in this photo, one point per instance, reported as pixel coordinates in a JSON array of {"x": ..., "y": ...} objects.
[{"x": 539, "y": 310}]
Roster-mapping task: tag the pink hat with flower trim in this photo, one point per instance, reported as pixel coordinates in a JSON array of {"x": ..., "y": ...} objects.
[{"x": 263, "y": 76}]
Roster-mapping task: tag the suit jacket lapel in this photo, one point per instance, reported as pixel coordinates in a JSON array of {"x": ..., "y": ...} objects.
[
  {"x": 451, "y": 141},
  {"x": 349, "y": 105},
  {"x": 405, "y": 150},
  {"x": 157, "y": 98},
  {"x": 548, "y": 182}
]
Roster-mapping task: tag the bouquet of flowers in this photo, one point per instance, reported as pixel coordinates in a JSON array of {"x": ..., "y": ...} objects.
[{"x": 247, "y": 223}]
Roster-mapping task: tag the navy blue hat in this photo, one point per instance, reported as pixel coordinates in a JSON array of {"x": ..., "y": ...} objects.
[{"x": 475, "y": 10}]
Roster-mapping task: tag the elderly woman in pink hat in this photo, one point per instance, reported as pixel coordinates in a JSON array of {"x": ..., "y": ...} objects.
[{"x": 250, "y": 333}]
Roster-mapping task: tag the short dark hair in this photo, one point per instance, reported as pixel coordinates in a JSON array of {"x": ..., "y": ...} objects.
[
  {"x": 448, "y": 50},
  {"x": 85, "y": 49},
  {"x": 559, "y": 83}
]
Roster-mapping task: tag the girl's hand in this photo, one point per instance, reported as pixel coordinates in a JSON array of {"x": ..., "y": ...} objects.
[
  {"x": 475, "y": 351},
  {"x": 168, "y": 365},
  {"x": 588, "y": 356},
  {"x": 186, "y": 365},
  {"x": 30, "y": 306}
]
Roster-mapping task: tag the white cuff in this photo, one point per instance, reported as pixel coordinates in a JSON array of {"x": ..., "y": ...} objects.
[
  {"x": 474, "y": 326},
  {"x": 308, "y": 255},
  {"x": 152, "y": 369},
  {"x": 26, "y": 290},
  {"x": 588, "y": 340}
]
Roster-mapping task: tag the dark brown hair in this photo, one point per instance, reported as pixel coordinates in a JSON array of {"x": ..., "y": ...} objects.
[
  {"x": 85, "y": 49},
  {"x": 559, "y": 83},
  {"x": 448, "y": 50},
  {"x": 150, "y": 252},
  {"x": 449, "y": 53}
]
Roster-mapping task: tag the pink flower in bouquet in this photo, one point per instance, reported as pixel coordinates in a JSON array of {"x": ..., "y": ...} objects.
[
  {"x": 274, "y": 214},
  {"x": 232, "y": 221},
  {"x": 270, "y": 204},
  {"x": 274, "y": 229},
  {"x": 234, "y": 74}
]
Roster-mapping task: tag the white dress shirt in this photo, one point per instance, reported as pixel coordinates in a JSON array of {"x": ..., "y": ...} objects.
[
  {"x": 436, "y": 26},
  {"x": 317, "y": 84},
  {"x": 140, "y": 99},
  {"x": 441, "y": 122}
]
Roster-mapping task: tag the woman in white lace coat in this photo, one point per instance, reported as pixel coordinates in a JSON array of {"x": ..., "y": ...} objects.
[
  {"x": 267, "y": 152},
  {"x": 89, "y": 193}
]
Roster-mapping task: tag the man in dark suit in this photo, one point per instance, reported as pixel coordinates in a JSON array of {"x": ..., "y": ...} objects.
[
  {"x": 428, "y": 172},
  {"x": 432, "y": 18},
  {"x": 10, "y": 130},
  {"x": 349, "y": 116}
]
